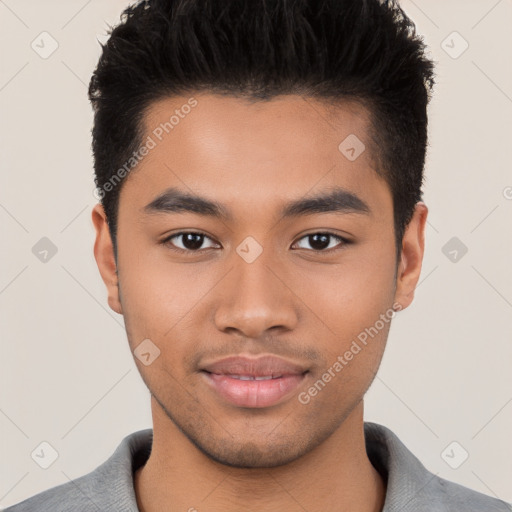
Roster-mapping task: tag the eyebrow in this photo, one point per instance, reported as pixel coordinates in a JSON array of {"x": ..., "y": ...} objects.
[{"x": 337, "y": 200}]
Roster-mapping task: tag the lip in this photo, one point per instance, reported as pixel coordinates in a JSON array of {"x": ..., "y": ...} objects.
[{"x": 223, "y": 377}]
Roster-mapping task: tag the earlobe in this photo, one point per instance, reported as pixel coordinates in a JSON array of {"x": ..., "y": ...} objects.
[
  {"x": 105, "y": 259},
  {"x": 411, "y": 258}
]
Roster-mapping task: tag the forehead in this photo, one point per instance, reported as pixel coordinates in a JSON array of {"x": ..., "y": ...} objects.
[
  {"x": 228, "y": 124},
  {"x": 261, "y": 151}
]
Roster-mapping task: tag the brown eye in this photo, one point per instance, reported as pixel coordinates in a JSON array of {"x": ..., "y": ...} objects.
[
  {"x": 321, "y": 241},
  {"x": 187, "y": 241}
]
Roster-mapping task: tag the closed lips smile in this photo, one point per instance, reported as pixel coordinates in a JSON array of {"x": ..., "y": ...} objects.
[
  {"x": 253, "y": 383},
  {"x": 253, "y": 377}
]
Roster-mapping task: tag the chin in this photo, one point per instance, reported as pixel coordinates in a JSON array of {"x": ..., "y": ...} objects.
[{"x": 251, "y": 455}]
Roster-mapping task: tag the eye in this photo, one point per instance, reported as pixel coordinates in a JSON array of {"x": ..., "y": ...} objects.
[
  {"x": 192, "y": 242},
  {"x": 187, "y": 241},
  {"x": 322, "y": 242}
]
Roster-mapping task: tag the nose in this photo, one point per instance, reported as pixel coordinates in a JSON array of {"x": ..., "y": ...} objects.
[{"x": 255, "y": 298}]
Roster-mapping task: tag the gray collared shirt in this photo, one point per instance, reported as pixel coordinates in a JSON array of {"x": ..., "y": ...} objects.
[{"x": 410, "y": 486}]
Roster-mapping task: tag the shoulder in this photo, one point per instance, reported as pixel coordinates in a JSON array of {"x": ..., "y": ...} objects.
[
  {"x": 444, "y": 495},
  {"x": 64, "y": 497},
  {"x": 410, "y": 486},
  {"x": 108, "y": 487}
]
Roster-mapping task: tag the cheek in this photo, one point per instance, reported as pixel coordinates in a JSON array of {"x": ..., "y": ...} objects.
[
  {"x": 351, "y": 331},
  {"x": 352, "y": 313},
  {"x": 155, "y": 294},
  {"x": 351, "y": 296}
]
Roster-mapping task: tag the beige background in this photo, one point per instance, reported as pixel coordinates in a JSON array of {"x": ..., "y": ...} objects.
[{"x": 67, "y": 376}]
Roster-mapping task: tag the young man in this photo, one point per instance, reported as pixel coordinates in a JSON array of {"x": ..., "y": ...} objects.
[{"x": 259, "y": 165}]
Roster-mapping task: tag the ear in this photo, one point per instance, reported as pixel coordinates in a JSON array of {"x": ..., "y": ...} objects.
[
  {"x": 105, "y": 259},
  {"x": 409, "y": 267}
]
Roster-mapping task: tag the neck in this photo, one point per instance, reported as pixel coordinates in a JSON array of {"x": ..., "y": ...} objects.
[{"x": 336, "y": 476}]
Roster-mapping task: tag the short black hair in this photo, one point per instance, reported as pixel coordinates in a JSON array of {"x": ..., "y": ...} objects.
[{"x": 363, "y": 50}]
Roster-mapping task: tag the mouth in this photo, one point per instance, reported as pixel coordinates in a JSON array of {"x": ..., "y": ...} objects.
[
  {"x": 254, "y": 377},
  {"x": 254, "y": 383}
]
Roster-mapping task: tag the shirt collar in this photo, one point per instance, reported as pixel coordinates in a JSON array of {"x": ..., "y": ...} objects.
[{"x": 410, "y": 486}]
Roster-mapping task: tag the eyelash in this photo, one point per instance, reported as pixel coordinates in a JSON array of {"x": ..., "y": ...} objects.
[{"x": 167, "y": 242}]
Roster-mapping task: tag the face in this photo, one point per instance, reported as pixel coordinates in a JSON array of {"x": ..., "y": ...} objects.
[{"x": 282, "y": 254}]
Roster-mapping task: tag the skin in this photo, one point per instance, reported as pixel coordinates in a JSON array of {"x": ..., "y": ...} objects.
[{"x": 292, "y": 301}]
